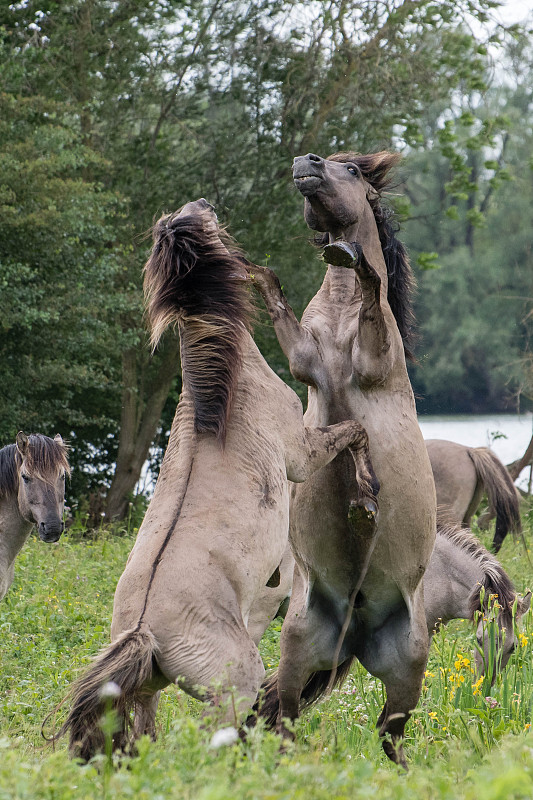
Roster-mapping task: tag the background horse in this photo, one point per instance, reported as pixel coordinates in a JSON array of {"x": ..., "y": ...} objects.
[
  {"x": 350, "y": 349},
  {"x": 461, "y": 476},
  {"x": 460, "y": 580},
  {"x": 32, "y": 492},
  {"x": 217, "y": 526}
]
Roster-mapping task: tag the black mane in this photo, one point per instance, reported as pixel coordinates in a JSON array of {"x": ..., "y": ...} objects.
[
  {"x": 192, "y": 277},
  {"x": 375, "y": 168}
]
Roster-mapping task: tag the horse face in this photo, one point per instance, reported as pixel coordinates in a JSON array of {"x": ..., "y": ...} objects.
[
  {"x": 498, "y": 635},
  {"x": 335, "y": 193},
  {"x": 41, "y": 497},
  {"x": 494, "y": 637}
]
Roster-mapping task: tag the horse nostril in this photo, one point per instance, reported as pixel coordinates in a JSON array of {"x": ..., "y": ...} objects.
[{"x": 313, "y": 157}]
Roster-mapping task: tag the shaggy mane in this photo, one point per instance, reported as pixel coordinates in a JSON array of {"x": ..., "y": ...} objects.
[
  {"x": 495, "y": 581},
  {"x": 192, "y": 278},
  {"x": 375, "y": 168},
  {"x": 45, "y": 458}
]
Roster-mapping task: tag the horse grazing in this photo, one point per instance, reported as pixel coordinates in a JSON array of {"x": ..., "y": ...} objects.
[
  {"x": 459, "y": 582},
  {"x": 32, "y": 492},
  {"x": 461, "y": 476},
  {"x": 217, "y": 526},
  {"x": 356, "y": 595}
]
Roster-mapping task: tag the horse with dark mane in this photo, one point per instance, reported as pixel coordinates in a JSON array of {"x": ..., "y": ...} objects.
[
  {"x": 32, "y": 492},
  {"x": 356, "y": 595},
  {"x": 217, "y": 526}
]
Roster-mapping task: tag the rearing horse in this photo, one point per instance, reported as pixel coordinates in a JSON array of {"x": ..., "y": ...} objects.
[{"x": 355, "y": 595}]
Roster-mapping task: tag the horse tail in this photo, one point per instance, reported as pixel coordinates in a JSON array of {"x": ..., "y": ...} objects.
[
  {"x": 113, "y": 683},
  {"x": 195, "y": 277},
  {"x": 267, "y": 706},
  {"x": 501, "y": 492}
]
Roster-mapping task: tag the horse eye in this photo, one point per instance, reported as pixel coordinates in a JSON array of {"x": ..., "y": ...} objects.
[
  {"x": 353, "y": 170},
  {"x": 25, "y": 478}
]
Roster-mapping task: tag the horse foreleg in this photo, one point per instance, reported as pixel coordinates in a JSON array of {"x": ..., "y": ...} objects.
[
  {"x": 295, "y": 341},
  {"x": 374, "y": 355}
]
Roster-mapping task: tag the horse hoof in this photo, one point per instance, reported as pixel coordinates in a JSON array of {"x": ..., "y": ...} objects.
[
  {"x": 363, "y": 518},
  {"x": 341, "y": 254}
]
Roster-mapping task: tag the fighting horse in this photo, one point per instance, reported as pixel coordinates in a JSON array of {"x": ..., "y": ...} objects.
[
  {"x": 32, "y": 492},
  {"x": 217, "y": 526},
  {"x": 356, "y": 595},
  {"x": 461, "y": 476}
]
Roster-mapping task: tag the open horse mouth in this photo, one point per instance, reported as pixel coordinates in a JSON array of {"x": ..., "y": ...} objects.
[{"x": 307, "y": 184}]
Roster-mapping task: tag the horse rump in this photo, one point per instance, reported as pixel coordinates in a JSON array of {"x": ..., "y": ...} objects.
[{"x": 114, "y": 684}]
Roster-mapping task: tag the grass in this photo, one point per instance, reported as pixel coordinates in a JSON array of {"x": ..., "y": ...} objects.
[{"x": 465, "y": 740}]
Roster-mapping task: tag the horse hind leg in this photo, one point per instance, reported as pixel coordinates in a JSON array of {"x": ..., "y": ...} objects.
[
  {"x": 398, "y": 657},
  {"x": 145, "y": 713}
]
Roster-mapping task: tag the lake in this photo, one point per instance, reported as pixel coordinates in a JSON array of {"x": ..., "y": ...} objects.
[{"x": 507, "y": 434}]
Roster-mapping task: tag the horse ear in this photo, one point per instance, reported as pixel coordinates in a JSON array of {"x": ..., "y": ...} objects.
[
  {"x": 523, "y": 604},
  {"x": 58, "y": 438},
  {"x": 23, "y": 443}
]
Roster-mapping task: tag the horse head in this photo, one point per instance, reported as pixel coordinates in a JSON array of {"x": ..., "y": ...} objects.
[
  {"x": 336, "y": 193},
  {"x": 495, "y": 634},
  {"x": 41, "y": 465}
]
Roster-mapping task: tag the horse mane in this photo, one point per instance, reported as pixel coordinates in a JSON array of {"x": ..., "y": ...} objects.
[
  {"x": 375, "y": 168},
  {"x": 495, "y": 579},
  {"x": 45, "y": 456},
  {"x": 193, "y": 277}
]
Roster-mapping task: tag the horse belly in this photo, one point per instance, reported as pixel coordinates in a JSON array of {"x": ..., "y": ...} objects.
[{"x": 407, "y": 505}]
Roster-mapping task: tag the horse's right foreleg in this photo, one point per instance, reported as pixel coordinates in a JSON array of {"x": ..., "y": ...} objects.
[{"x": 295, "y": 341}]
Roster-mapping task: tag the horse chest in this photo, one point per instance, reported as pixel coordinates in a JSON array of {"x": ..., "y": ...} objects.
[{"x": 335, "y": 335}]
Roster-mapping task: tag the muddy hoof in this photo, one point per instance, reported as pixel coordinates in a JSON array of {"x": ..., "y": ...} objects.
[
  {"x": 342, "y": 254},
  {"x": 363, "y": 518}
]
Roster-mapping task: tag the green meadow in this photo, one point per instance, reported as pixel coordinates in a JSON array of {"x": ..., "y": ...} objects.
[{"x": 465, "y": 740}]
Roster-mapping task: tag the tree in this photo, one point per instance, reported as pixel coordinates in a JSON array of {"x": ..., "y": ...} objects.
[{"x": 214, "y": 98}]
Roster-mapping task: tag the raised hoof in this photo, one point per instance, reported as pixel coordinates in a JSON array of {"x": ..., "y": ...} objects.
[
  {"x": 342, "y": 254},
  {"x": 363, "y": 518}
]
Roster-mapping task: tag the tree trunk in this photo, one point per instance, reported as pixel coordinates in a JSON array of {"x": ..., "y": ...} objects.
[
  {"x": 517, "y": 466},
  {"x": 138, "y": 426}
]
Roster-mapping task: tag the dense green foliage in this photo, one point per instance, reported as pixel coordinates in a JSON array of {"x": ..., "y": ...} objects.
[
  {"x": 464, "y": 741},
  {"x": 113, "y": 112}
]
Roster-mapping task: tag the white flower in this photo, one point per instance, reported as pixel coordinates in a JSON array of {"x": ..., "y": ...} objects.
[
  {"x": 224, "y": 737},
  {"x": 110, "y": 690}
]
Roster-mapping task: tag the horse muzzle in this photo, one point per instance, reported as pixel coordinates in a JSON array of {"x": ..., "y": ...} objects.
[
  {"x": 50, "y": 532},
  {"x": 308, "y": 173}
]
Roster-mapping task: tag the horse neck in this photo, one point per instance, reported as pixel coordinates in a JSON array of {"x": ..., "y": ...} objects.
[
  {"x": 14, "y": 530},
  {"x": 451, "y": 577}
]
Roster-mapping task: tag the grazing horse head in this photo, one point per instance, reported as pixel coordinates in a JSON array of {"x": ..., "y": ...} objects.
[
  {"x": 41, "y": 465},
  {"x": 495, "y": 633}
]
